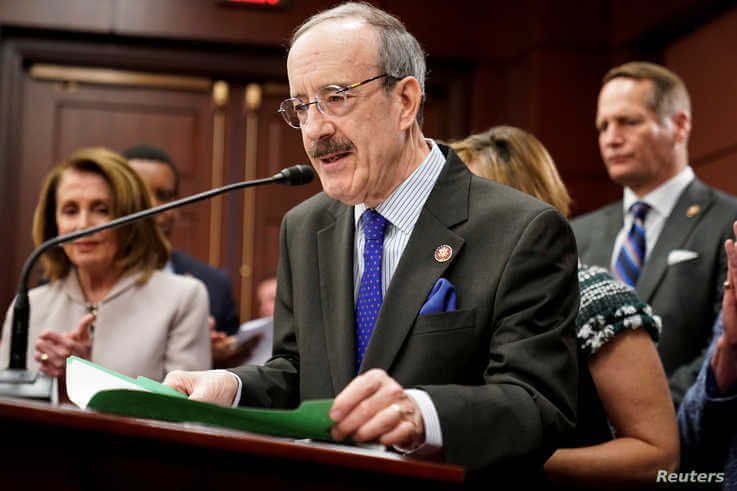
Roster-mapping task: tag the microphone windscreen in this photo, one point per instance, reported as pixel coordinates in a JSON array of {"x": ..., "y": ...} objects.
[{"x": 298, "y": 174}]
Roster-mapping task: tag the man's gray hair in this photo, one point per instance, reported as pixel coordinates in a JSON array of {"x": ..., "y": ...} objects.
[{"x": 400, "y": 55}]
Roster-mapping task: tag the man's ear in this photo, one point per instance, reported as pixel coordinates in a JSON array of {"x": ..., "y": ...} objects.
[
  {"x": 681, "y": 126},
  {"x": 410, "y": 98}
]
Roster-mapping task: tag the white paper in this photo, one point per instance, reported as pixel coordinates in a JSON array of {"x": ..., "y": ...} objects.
[
  {"x": 263, "y": 327},
  {"x": 253, "y": 328},
  {"x": 84, "y": 381}
]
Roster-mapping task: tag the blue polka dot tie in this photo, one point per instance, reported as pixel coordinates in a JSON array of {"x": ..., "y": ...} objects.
[
  {"x": 369, "y": 297},
  {"x": 632, "y": 255}
]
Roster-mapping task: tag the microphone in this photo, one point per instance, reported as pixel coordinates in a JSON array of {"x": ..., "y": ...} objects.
[
  {"x": 297, "y": 174},
  {"x": 16, "y": 380}
]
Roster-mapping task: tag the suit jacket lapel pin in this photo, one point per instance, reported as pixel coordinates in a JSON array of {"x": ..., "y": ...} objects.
[
  {"x": 443, "y": 253},
  {"x": 692, "y": 211}
]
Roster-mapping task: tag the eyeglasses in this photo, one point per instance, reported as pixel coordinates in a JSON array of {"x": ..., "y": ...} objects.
[{"x": 333, "y": 100}]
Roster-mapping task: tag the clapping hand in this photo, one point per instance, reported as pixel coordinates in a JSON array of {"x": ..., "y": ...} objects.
[
  {"x": 53, "y": 348},
  {"x": 724, "y": 361}
]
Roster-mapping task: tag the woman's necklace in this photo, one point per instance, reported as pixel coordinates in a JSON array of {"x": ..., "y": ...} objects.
[{"x": 92, "y": 309}]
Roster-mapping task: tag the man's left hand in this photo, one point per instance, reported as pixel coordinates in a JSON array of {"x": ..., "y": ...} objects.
[{"x": 374, "y": 407}]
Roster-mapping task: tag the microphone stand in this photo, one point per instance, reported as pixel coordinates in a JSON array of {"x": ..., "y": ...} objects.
[{"x": 17, "y": 380}]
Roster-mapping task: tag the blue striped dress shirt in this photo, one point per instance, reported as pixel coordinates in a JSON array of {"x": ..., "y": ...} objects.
[{"x": 401, "y": 209}]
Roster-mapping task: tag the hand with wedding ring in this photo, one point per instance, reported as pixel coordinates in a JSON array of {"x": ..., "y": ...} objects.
[
  {"x": 374, "y": 407},
  {"x": 724, "y": 361},
  {"x": 53, "y": 348}
]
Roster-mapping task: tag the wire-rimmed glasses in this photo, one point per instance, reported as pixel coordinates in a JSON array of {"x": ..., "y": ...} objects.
[{"x": 332, "y": 100}]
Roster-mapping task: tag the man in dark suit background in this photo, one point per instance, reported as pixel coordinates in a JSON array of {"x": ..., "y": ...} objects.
[
  {"x": 436, "y": 307},
  {"x": 157, "y": 169},
  {"x": 665, "y": 237}
]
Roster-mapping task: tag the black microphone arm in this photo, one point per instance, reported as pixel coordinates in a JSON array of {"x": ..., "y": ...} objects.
[{"x": 17, "y": 373}]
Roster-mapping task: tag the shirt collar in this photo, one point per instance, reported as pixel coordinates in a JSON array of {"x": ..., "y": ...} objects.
[
  {"x": 663, "y": 198},
  {"x": 168, "y": 267},
  {"x": 403, "y": 206}
]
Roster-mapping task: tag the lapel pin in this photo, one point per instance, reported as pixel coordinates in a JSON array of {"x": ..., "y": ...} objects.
[
  {"x": 693, "y": 210},
  {"x": 443, "y": 253}
]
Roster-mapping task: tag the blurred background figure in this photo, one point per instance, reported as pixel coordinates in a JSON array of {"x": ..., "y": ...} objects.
[
  {"x": 107, "y": 299},
  {"x": 254, "y": 341},
  {"x": 161, "y": 176},
  {"x": 669, "y": 226},
  {"x": 622, "y": 381},
  {"x": 266, "y": 294}
]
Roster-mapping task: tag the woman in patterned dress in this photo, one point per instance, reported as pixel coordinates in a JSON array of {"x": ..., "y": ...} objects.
[{"x": 626, "y": 430}]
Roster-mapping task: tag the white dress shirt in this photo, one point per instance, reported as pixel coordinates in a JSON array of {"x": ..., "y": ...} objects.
[{"x": 662, "y": 200}]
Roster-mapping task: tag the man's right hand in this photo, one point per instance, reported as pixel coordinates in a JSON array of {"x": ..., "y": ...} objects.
[{"x": 215, "y": 386}]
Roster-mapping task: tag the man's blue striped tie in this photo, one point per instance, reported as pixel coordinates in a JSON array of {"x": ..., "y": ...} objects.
[
  {"x": 368, "y": 301},
  {"x": 632, "y": 255}
]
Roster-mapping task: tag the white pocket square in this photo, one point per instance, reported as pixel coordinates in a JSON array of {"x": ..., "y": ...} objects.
[{"x": 679, "y": 255}]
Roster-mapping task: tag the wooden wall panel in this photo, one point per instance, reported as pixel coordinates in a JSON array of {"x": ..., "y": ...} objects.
[
  {"x": 198, "y": 19},
  {"x": 279, "y": 146},
  {"x": 705, "y": 61},
  {"x": 711, "y": 81},
  {"x": 658, "y": 22},
  {"x": 568, "y": 85},
  {"x": 92, "y": 15},
  {"x": 721, "y": 173},
  {"x": 552, "y": 94},
  {"x": 589, "y": 194},
  {"x": 11, "y": 131}
]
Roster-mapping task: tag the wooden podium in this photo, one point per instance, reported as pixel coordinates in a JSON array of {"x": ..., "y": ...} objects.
[{"x": 61, "y": 447}]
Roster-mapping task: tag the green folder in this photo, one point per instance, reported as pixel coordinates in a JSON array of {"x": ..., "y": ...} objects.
[{"x": 152, "y": 400}]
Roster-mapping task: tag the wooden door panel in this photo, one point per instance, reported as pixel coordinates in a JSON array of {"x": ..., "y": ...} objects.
[{"x": 279, "y": 146}]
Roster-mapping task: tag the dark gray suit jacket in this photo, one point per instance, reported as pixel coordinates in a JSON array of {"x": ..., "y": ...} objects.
[
  {"x": 501, "y": 370},
  {"x": 217, "y": 282},
  {"x": 687, "y": 295}
]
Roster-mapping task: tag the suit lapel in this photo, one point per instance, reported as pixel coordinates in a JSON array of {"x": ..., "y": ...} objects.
[
  {"x": 177, "y": 263},
  {"x": 603, "y": 240},
  {"x": 335, "y": 256},
  {"x": 676, "y": 230},
  {"x": 418, "y": 270}
]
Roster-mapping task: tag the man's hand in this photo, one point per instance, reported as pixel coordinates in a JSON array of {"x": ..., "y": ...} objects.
[
  {"x": 221, "y": 347},
  {"x": 226, "y": 352},
  {"x": 208, "y": 386},
  {"x": 374, "y": 407},
  {"x": 53, "y": 348},
  {"x": 724, "y": 361}
]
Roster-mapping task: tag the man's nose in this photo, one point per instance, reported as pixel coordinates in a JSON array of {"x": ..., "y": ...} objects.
[
  {"x": 317, "y": 126},
  {"x": 612, "y": 136}
]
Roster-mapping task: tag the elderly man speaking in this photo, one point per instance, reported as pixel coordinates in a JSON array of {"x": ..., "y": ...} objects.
[{"x": 437, "y": 308}]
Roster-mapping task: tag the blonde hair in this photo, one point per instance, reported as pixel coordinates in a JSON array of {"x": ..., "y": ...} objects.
[
  {"x": 516, "y": 158},
  {"x": 140, "y": 244}
]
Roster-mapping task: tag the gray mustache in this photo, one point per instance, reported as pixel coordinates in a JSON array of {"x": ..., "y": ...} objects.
[{"x": 322, "y": 148}]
